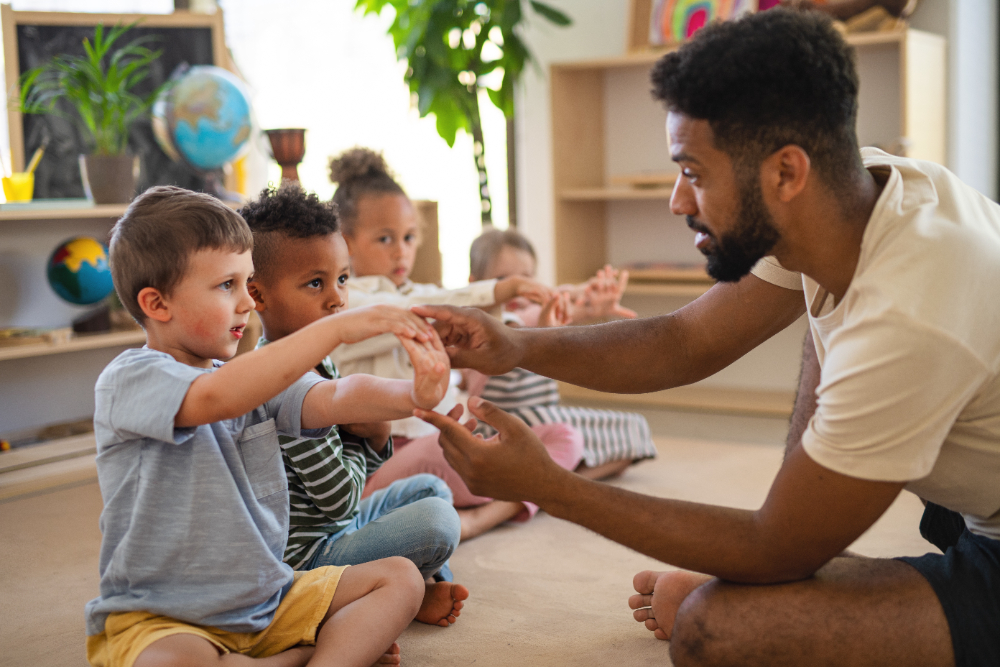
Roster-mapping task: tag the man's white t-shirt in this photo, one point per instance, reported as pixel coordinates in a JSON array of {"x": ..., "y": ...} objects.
[{"x": 909, "y": 387}]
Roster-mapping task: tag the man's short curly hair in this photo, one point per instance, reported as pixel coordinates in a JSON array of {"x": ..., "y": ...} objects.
[
  {"x": 768, "y": 80},
  {"x": 287, "y": 212}
]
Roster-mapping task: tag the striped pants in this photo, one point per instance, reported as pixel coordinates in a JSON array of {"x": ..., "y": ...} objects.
[{"x": 608, "y": 435}]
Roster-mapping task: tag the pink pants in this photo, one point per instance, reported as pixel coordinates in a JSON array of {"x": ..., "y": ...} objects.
[{"x": 424, "y": 455}]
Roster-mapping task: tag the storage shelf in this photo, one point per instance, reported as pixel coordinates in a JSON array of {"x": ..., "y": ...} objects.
[
  {"x": 688, "y": 289},
  {"x": 97, "y": 211},
  {"x": 760, "y": 403},
  {"x": 616, "y": 194},
  {"x": 76, "y": 344},
  {"x": 650, "y": 56}
]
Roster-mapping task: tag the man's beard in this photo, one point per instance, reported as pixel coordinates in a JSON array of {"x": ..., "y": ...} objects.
[{"x": 732, "y": 255}]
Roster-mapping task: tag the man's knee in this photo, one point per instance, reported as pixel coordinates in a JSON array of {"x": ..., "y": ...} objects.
[{"x": 699, "y": 633}]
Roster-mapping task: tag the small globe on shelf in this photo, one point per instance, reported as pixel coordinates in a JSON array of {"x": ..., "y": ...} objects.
[
  {"x": 78, "y": 271},
  {"x": 203, "y": 120}
]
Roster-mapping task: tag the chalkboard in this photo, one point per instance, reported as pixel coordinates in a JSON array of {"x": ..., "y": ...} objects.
[{"x": 183, "y": 38}]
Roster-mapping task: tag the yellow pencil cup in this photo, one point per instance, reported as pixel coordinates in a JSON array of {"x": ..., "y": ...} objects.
[{"x": 19, "y": 186}]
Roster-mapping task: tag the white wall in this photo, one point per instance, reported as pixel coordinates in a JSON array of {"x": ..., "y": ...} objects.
[{"x": 970, "y": 27}]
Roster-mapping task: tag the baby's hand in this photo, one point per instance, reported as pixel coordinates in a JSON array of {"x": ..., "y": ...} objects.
[
  {"x": 518, "y": 286},
  {"x": 602, "y": 296},
  {"x": 556, "y": 312},
  {"x": 358, "y": 324},
  {"x": 431, "y": 370}
]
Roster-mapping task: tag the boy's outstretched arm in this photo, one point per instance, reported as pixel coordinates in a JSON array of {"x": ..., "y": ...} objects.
[
  {"x": 254, "y": 378},
  {"x": 366, "y": 398}
]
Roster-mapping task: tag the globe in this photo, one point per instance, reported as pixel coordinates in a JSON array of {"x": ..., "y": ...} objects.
[
  {"x": 203, "y": 118},
  {"x": 78, "y": 271}
]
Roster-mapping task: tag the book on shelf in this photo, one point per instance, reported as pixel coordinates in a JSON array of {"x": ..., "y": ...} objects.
[{"x": 667, "y": 272}]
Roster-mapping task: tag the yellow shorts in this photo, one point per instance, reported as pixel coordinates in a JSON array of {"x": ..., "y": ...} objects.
[{"x": 127, "y": 634}]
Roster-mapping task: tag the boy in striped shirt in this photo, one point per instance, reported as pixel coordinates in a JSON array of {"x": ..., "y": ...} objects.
[{"x": 302, "y": 265}]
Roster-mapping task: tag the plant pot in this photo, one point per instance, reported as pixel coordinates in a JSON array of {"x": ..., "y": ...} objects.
[{"x": 109, "y": 179}]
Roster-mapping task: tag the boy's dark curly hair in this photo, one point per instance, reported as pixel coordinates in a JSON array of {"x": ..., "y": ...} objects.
[
  {"x": 286, "y": 211},
  {"x": 358, "y": 172},
  {"x": 768, "y": 80}
]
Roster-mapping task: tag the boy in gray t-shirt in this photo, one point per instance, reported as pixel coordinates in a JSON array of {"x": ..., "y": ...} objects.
[{"x": 195, "y": 497}]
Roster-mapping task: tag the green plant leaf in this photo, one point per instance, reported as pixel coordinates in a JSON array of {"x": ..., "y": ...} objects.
[{"x": 551, "y": 13}]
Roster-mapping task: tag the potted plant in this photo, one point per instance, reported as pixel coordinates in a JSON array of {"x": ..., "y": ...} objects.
[
  {"x": 99, "y": 86},
  {"x": 451, "y": 46}
]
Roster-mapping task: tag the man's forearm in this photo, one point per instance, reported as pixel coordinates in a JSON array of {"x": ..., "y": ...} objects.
[
  {"x": 637, "y": 356},
  {"x": 719, "y": 541}
]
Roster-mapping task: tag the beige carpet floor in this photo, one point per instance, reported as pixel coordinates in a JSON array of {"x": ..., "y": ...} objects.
[{"x": 544, "y": 593}]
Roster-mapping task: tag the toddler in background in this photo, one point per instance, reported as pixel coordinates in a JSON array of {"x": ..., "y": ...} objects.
[
  {"x": 612, "y": 440},
  {"x": 380, "y": 225}
]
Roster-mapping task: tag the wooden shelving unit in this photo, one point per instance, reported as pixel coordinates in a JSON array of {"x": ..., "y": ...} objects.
[
  {"x": 58, "y": 213},
  {"x": 78, "y": 343},
  {"x": 695, "y": 398},
  {"x": 604, "y": 126}
]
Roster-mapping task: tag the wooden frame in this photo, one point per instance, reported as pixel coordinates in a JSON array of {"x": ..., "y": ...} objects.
[{"x": 10, "y": 19}]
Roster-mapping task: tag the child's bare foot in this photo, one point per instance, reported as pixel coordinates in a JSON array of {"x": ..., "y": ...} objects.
[
  {"x": 660, "y": 596},
  {"x": 390, "y": 657},
  {"x": 443, "y": 602}
]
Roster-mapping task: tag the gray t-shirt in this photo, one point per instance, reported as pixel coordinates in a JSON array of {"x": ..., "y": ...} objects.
[{"x": 195, "y": 519}]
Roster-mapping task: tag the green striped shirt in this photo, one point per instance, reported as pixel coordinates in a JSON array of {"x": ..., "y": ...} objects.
[{"x": 326, "y": 478}]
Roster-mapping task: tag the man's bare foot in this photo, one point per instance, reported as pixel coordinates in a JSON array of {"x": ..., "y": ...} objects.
[
  {"x": 660, "y": 596},
  {"x": 390, "y": 657},
  {"x": 443, "y": 602}
]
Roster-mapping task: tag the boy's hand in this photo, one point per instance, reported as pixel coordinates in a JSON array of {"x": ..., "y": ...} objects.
[
  {"x": 431, "y": 370},
  {"x": 556, "y": 313},
  {"x": 376, "y": 433},
  {"x": 517, "y": 286},
  {"x": 359, "y": 324}
]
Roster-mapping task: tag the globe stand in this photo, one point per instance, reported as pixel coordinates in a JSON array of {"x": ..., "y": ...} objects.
[
  {"x": 288, "y": 147},
  {"x": 215, "y": 187}
]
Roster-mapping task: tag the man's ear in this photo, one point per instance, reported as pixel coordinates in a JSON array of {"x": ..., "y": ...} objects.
[
  {"x": 786, "y": 170},
  {"x": 258, "y": 300},
  {"x": 153, "y": 304}
]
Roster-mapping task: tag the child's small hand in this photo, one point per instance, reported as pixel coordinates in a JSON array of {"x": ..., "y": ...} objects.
[
  {"x": 518, "y": 286},
  {"x": 376, "y": 433},
  {"x": 431, "y": 370},
  {"x": 359, "y": 324},
  {"x": 601, "y": 296},
  {"x": 556, "y": 313}
]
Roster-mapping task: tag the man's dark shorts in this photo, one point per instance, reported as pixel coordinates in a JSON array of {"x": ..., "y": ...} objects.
[{"x": 966, "y": 579}]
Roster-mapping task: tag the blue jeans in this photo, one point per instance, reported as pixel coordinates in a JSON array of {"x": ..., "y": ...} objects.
[{"x": 412, "y": 517}]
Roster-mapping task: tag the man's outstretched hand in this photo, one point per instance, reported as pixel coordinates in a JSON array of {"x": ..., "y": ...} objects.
[
  {"x": 474, "y": 339},
  {"x": 512, "y": 465}
]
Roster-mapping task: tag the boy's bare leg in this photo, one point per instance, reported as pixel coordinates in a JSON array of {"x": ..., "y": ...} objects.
[
  {"x": 373, "y": 604},
  {"x": 853, "y": 611},
  {"x": 478, "y": 520},
  {"x": 192, "y": 650},
  {"x": 603, "y": 471},
  {"x": 443, "y": 602}
]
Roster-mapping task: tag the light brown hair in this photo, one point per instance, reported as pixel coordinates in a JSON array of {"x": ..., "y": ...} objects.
[
  {"x": 488, "y": 245},
  {"x": 163, "y": 226}
]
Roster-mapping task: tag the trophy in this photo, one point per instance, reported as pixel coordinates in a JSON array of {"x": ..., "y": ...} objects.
[{"x": 288, "y": 146}]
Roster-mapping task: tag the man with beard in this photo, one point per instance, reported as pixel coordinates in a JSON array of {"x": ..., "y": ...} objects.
[{"x": 899, "y": 263}]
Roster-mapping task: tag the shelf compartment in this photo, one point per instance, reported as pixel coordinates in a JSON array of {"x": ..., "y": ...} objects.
[
  {"x": 761, "y": 403},
  {"x": 681, "y": 289},
  {"x": 615, "y": 194},
  {"x": 96, "y": 211},
  {"x": 76, "y": 344}
]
